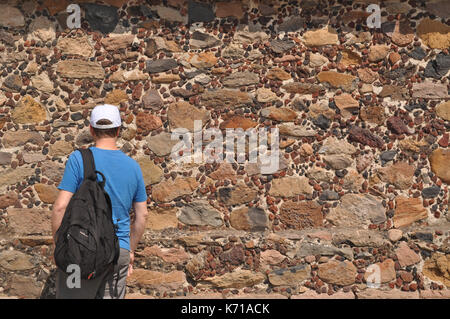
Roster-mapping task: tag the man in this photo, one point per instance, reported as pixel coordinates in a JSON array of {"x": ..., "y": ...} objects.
[{"x": 126, "y": 188}]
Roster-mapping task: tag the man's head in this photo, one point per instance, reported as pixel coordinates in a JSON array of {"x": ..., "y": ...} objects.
[{"x": 105, "y": 121}]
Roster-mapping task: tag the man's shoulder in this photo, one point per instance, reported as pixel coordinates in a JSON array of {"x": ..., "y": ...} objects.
[
  {"x": 75, "y": 155},
  {"x": 129, "y": 160}
]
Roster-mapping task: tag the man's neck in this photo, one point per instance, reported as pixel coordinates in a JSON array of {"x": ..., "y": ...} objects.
[{"x": 106, "y": 144}]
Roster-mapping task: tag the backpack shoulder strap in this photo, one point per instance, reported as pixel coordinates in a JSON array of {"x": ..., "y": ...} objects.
[{"x": 88, "y": 164}]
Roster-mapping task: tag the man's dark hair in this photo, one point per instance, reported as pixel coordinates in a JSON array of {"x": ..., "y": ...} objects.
[{"x": 105, "y": 132}]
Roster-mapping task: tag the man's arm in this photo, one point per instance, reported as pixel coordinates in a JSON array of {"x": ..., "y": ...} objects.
[
  {"x": 138, "y": 227},
  {"x": 59, "y": 208},
  {"x": 137, "y": 230}
]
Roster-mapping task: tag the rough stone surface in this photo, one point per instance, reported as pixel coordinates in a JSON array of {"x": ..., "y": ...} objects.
[
  {"x": 438, "y": 158},
  {"x": 429, "y": 90},
  {"x": 151, "y": 172},
  {"x": 300, "y": 215},
  {"x": 11, "y": 17},
  {"x": 408, "y": 210},
  {"x": 321, "y": 37},
  {"x": 15, "y": 260},
  {"x": 399, "y": 174},
  {"x": 378, "y": 53},
  {"x": 166, "y": 191},
  {"x": 46, "y": 193},
  {"x": 290, "y": 186},
  {"x": 29, "y": 111},
  {"x": 386, "y": 294},
  {"x": 240, "y": 79},
  {"x": 75, "y": 46},
  {"x": 443, "y": 110},
  {"x": 162, "y": 144},
  {"x": 434, "y": 33},
  {"x": 386, "y": 272},
  {"x": 20, "y": 138},
  {"x": 236, "y": 195},
  {"x": 236, "y": 279},
  {"x": 183, "y": 115},
  {"x": 357, "y": 211},
  {"x": 150, "y": 278},
  {"x": 200, "y": 213},
  {"x": 395, "y": 234},
  {"x": 405, "y": 255},
  {"x": 223, "y": 98},
  {"x": 339, "y": 273},
  {"x": 359, "y": 237},
  {"x": 80, "y": 69},
  {"x": 437, "y": 268},
  {"x": 27, "y": 221},
  {"x": 365, "y": 137},
  {"x": 249, "y": 219},
  {"x": 289, "y": 276},
  {"x": 338, "y": 80},
  {"x": 11, "y": 176}
]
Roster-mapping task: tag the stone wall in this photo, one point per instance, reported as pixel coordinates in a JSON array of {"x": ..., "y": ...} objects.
[{"x": 363, "y": 115}]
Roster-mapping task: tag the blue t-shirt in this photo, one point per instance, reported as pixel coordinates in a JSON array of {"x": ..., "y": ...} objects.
[{"x": 124, "y": 184}]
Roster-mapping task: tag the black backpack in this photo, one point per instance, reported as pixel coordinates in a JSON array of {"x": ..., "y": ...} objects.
[{"x": 87, "y": 236}]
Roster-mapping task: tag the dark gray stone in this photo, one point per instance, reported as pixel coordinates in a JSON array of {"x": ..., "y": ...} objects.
[
  {"x": 322, "y": 121},
  {"x": 146, "y": 11},
  {"x": 76, "y": 116},
  {"x": 280, "y": 46},
  {"x": 122, "y": 27},
  {"x": 162, "y": 65},
  {"x": 425, "y": 236},
  {"x": 200, "y": 12},
  {"x": 329, "y": 195},
  {"x": 438, "y": 67},
  {"x": 193, "y": 74},
  {"x": 182, "y": 92},
  {"x": 308, "y": 4},
  {"x": 421, "y": 105},
  {"x": 257, "y": 219},
  {"x": 401, "y": 74},
  {"x": 200, "y": 213},
  {"x": 418, "y": 53},
  {"x": 388, "y": 27},
  {"x": 266, "y": 10},
  {"x": 108, "y": 86},
  {"x": 101, "y": 18},
  {"x": 387, "y": 156},
  {"x": 203, "y": 40},
  {"x": 13, "y": 82},
  {"x": 430, "y": 192},
  {"x": 292, "y": 25}
]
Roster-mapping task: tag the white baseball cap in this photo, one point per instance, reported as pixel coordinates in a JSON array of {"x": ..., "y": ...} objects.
[{"x": 105, "y": 112}]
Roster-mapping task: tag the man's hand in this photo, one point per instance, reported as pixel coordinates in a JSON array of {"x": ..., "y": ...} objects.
[
  {"x": 59, "y": 209},
  {"x": 137, "y": 230},
  {"x": 130, "y": 266}
]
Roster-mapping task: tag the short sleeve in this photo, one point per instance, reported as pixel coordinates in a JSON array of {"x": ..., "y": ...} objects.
[
  {"x": 72, "y": 175},
  {"x": 140, "y": 194}
]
